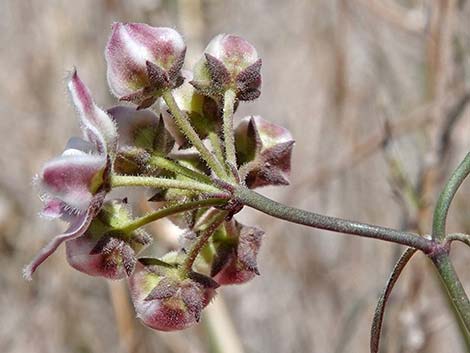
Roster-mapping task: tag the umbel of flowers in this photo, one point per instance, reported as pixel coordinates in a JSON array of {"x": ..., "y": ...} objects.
[{"x": 174, "y": 135}]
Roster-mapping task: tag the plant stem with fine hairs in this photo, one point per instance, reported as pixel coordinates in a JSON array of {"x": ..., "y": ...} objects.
[
  {"x": 185, "y": 126},
  {"x": 229, "y": 142},
  {"x": 315, "y": 220}
]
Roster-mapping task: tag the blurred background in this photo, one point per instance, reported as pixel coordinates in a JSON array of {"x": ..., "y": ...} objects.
[{"x": 375, "y": 93}]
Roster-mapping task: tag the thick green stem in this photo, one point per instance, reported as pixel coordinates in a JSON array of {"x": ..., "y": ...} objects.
[
  {"x": 175, "y": 167},
  {"x": 162, "y": 183},
  {"x": 186, "y": 128},
  {"x": 446, "y": 197},
  {"x": 201, "y": 240},
  {"x": 315, "y": 220},
  {"x": 162, "y": 213},
  {"x": 454, "y": 287},
  {"x": 229, "y": 142}
]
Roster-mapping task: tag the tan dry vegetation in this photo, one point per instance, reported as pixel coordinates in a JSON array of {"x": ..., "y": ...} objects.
[{"x": 375, "y": 93}]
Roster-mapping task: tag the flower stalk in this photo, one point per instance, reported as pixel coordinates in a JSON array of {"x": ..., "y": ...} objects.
[
  {"x": 200, "y": 242},
  {"x": 162, "y": 183},
  {"x": 168, "y": 211},
  {"x": 178, "y": 169},
  {"x": 185, "y": 126},
  {"x": 229, "y": 142}
]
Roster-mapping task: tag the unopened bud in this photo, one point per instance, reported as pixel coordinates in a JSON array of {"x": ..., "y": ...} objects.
[
  {"x": 142, "y": 61},
  {"x": 166, "y": 302},
  {"x": 229, "y": 62}
]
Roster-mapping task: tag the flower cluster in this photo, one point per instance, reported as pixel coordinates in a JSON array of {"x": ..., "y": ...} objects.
[{"x": 176, "y": 137}]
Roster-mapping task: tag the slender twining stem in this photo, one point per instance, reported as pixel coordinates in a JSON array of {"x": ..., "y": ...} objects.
[
  {"x": 229, "y": 142},
  {"x": 200, "y": 241},
  {"x": 315, "y": 220},
  {"x": 178, "y": 169},
  {"x": 185, "y": 126},
  {"x": 167, "y": 211},
  {"x": 377, "y": 321},
  {"x": 464, "y": 238},
  {"x": 454, "y": 288},
  {"x": 446, "y": 197},
  {"x": 216, "y": 145},
  {"x": 162, "y": 183}
]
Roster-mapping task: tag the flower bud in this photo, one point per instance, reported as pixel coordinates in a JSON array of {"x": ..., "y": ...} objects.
[
  {"x": 264, "y": 151},
  {"x": 98, "y": 254},
  {"x": 229, "y": 62},
  {"x": 235, "y": 258},
  {"x": 142, "y": 61},
  {"x": 166, "y": 302}
]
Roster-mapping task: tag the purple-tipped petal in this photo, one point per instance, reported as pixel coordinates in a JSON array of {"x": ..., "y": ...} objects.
[
  {"x": 97, "y": 125},
  {"x": 234, "y": 51},
  {"x": 76, "y": 229},
  {"x": 73, "y": 179},
  {"x": 131, "y": 46},
  {"x": 78, "y": 226}
]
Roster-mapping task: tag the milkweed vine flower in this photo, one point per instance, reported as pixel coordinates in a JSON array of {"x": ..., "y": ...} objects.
[
  {"x": 75, "y": 184},
  {"x": 142, "y": 61},
  {"x": 97, "y": 253},
  {"x": 229, "y": 62},
  {"x": 164, "y": 301},
  {"x": 185, "y": 149},
  {"x": 264, "y": 152},
  {"x": 200, "y": 168}
]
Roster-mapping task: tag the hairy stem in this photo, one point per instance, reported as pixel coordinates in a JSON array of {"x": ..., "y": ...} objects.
[
  {"x": 229, "y": 103},
  {"x": 446, "y": 197},
  {"x": 162, "y": 213},
  {"x": 175, "y": 167},
  {"x": 454, "y": 287},
  {"x": 162, "y": 183},
  {"x": 216, "y": 145},
  {"x": 186, "y": 128},
  {"x": 315, "y": 220},
  {"x": 201, "y": 240}
]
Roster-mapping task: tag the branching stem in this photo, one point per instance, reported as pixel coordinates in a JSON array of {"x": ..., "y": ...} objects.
[
  {"x": 185, "y": 126},
  {"x": 164, "y": 212},
  {"x": 315, "y": 220}
]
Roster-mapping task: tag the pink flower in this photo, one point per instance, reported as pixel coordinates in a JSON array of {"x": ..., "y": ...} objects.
[
  {"x": 229, "y": 62},
  {"x": 74, "y": 185},
  {"x": 142, "y": 61},
  {"x": 166, "y": 302},
  {"x": 98, "y": 253},
  {"x": 264, "y": 151},
  {"x": 235, "y": 258}
]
